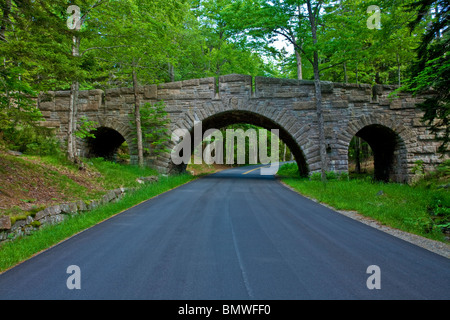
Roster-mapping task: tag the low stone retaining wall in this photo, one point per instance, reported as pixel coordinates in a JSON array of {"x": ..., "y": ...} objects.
[{"x": 52, "y": 215}]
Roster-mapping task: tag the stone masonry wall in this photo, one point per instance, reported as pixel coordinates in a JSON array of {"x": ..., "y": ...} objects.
[
  {"x": 52, "y": 215},
  {"x": 273, "y": 103}
]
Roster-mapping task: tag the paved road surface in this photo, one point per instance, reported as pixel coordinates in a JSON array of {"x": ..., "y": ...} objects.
[{"x": 231, "y": 236}]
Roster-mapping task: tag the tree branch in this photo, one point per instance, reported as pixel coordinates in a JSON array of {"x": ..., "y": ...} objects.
[
  {"x": 103, "y": 48},
  {"x": 294, "y": 43},
  {"x": 332, "y": 66},
  {"x": 95, "y": 5},
  {"x": 317, "y": 9}
]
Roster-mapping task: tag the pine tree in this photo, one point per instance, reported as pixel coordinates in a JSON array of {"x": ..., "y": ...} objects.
[{"x": 433, "y": 67}]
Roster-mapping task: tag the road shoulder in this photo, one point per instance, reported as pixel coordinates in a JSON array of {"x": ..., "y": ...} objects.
[{"x": 437, "y": 247}]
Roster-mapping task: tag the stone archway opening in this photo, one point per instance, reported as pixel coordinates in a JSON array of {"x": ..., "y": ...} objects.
[
  {"x": 234, "y": 117},
  {"x": 388, "y": 150},
  {"x": 360, "y": 158},
  {"x": 107, "y": 144}
]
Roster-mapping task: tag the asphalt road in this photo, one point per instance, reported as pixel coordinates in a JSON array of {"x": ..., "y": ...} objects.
[{"x": 231, "y": 236}]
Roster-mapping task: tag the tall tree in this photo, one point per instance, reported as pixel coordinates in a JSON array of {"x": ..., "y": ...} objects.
[
  {"x": 263, "y": 22},
  {"x": 271, "y": 19},
  {"x": 136, "y": 42},
  {"x": 46, "y": 44},
  {"x": 32, "y": 50},
  {"x": 313, "y": 15},
  {"x": 219, "y": 49},
  {"x": 76, "y": 21},
  {"x": 433, "y": 67}
]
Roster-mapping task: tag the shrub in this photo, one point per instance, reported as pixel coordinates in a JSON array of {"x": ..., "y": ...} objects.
[
  {"x": 418, "y": 167},
  {"x": 330, "y": 175},
  {"x": 439, "y": 210},
  {"x": 289, "y": 170},
  {"x": 443, "y": 170},
  {"x": 33, "y": 141},
  {"x": 316, "y": 176},
  {"x": 344, "y": 176}
]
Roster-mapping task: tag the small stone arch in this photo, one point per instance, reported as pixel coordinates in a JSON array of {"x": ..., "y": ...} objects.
[
  {"x": 390, "y": 141},
  {"x": 122, "y": 127},
  {"x": 110, "y": 134}
]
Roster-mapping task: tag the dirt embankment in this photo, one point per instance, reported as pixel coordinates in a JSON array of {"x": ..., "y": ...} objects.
[{"x": 27, "y": 183}]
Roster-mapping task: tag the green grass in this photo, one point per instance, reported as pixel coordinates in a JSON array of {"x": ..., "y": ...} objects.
[
  {"x": 408, "y": 208},
  {"x": 12, "y": 253},
  {"x": 288, "y": 170},
  {"x": 114, "y": 174}
]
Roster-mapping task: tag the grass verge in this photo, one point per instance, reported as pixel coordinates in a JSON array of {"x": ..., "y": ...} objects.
[{"x": 12, "y": 253}]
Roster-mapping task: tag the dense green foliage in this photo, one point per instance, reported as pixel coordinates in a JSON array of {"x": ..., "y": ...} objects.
[
  {"x": 154, "y": 121},
  {"x": 158, "y": 41},
  {"x": 432, "y": 69},
  {"x": 177, "y": 40}
]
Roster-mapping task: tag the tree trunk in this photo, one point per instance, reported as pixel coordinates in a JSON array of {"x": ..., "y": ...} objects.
[
  {"x": 171, "y": 72},
  {"x": 73, "y": 109},
  {"x": 298, "y": 57},
  {"x": 318, "y": 93},
  {"x": 298, "y": 54},
  {"x": 322, "y": 147},
  {"x": 137, "y": 116},
  {"x": 398, "y": 71},
  {"x": 357, "y": 154},
  {"x": 6, "y": 8},
  {"x": 345, "y": 73},
  {"x": 378, "y": 78},
  {"x": 70, "y": 133},
  {"x": 436, "y": 13}
]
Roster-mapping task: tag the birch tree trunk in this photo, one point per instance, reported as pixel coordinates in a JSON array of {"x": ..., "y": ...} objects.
[
  {"x": 171, "y": 72},
  {"x": 298, "y": 57},
  {"x": 73, "y": 109},
  {"x": 318, "y": 93},
  {"x": 137, "y": 117},
  {"x": 298, "y": 54}
]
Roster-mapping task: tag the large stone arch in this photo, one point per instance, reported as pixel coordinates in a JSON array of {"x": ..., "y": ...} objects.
[
  {"x": 387, "y": 129},
  {"x": 220, "y": 113}
]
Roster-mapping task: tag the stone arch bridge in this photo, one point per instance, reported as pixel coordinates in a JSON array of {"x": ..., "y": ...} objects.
[{"x": 391, "y": 126}]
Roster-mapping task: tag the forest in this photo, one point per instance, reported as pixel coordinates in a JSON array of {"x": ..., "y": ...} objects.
[{"x": 100, "y": 44}]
